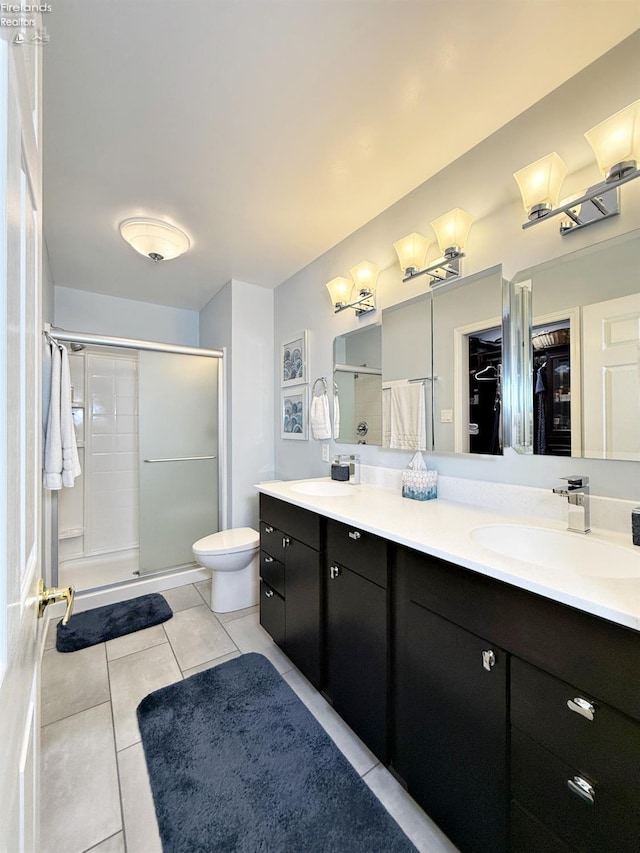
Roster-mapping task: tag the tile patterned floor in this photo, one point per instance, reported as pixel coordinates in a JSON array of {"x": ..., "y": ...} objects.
[{"x": 95, "y": 788}]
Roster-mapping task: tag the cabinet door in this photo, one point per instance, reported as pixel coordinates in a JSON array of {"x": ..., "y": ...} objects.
[
  {"x": 450, "y": 725},
  {"x": 357, "y": 654},
  {"x": 303, "y": 624}
]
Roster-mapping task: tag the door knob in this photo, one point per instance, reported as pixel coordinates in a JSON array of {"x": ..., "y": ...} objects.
[{"x": 47, "y": 595}]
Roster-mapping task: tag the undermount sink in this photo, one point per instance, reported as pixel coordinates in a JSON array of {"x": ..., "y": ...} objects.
[
  {"x": 556, "y": 549},
  {"x": 324, "y": 488}
]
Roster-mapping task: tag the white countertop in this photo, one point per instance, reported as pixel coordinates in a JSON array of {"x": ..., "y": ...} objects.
[{"x": 443, "y": 528}]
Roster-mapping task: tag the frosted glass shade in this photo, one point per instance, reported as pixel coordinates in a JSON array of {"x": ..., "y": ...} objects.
[
  {"x": 616, "y": 142},
  {"x": 365, "y": 275},
  {"x": 540, "y": 184},
  {"x": 340, "y": 290},
  {"x": 412, "y": 251},
  {"x": 157, "y": 240},
  {"x": 452, "y": 230}
]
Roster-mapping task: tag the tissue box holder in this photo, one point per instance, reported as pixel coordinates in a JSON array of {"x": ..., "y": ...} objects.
[{"x": 420, "y": 485}]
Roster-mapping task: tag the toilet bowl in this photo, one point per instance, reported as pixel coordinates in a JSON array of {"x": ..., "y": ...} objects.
[{"x": 232, "y": 556}]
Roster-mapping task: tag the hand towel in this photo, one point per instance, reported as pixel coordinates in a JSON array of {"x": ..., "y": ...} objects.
[
  {"x": 319, "y": 417},
  {"x": 407, "y": 417}
]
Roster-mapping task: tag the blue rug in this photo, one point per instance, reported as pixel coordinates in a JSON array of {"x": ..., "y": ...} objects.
[
  {"x": 111, "y": 621},
  {"x": 237, "y": 763}
]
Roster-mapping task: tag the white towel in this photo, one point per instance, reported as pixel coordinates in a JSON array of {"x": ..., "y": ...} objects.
[
  {"x": 407, "y": 417},
  {"x": 61, "y": 462},
  {"x": 336, "y": 417},
  {"x": 319, "y": 417}
]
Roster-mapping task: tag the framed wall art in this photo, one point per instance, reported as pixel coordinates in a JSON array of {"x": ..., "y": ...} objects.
[
  {"x": 294, "y": 360},
  {"x": 294, "y": 414}
]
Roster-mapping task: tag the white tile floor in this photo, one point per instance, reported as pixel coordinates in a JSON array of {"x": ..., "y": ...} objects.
[{"x": 95, "y": 789}]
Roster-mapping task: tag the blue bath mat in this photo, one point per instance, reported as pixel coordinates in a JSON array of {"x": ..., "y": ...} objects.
[
  {"x": 111, "y": 621},
  {"x": 238, "y": 764}
]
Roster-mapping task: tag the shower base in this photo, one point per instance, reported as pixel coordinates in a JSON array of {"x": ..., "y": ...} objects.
[{"x": 101, "y": 570}]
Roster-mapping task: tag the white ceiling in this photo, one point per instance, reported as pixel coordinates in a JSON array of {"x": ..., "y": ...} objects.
[{"x": 272, "y": 129}]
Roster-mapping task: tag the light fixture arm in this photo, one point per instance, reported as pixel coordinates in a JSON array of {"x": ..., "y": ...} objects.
[
  {"x": 441, "y": 270},
  {"x": 364, "y": 305},
  {"x": 604, "y": 203}
]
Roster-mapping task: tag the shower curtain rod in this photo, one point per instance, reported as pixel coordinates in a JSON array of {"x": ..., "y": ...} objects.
[{"x": 127, "y": 343}]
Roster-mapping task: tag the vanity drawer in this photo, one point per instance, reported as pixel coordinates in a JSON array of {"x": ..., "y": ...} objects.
[
  {"x": 272, "y": 613},
  {"x": 358, "y": 550},
  {"x": 301, "y": 524},
  {"x": 529, "y": 835},
  {"x": 272, "y": 572},
  {"x": 540, "y": 782},
  {"x": 272, "y": 541},
  {"x": 606, "y": 747}
]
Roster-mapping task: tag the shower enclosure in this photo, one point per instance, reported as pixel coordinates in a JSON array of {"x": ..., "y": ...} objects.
[{"x": 150, "y": 438}]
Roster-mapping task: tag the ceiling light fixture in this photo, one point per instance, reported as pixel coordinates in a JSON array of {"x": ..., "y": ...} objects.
[
  {"x": 157, "y": 240},
  {"x": 452, "y": 230},
  {"x": 616, "y": 144},
  {"x": 364, "y": 277}
]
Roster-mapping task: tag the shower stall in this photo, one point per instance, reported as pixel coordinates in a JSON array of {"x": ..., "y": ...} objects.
[{"x": 150, "y": 434}]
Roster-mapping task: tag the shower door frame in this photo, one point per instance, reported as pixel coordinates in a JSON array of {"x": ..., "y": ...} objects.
[{"x": 87, "y": 338}]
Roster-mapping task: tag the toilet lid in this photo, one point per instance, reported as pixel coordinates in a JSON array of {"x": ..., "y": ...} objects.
[{"x": 228, "y": 541}]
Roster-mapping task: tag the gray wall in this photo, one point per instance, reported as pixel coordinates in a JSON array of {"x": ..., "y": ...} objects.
[
  {"x": 240, "y": 318},
  {"x": 481, "y": 182},
  {"x": 80, "y": 311}
]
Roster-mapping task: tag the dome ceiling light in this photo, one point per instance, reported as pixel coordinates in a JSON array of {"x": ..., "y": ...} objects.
[{"x": 154, "y": 239}]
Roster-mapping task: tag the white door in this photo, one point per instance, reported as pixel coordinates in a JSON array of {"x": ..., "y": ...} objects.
[
  {"x": 611, "y": 381},
  {"x": 20, "y": 438}
]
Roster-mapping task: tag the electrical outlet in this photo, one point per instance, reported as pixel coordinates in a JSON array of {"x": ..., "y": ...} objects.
[
  {"x": 446, "y": 416},
  {"x": 325, "y": 452}
]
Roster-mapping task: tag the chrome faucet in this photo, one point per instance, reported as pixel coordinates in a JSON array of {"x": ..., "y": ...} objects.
[{"x": 577, "y": 492}]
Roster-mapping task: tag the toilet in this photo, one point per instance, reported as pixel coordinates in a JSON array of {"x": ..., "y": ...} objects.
[{"x": 232, "y": 556}]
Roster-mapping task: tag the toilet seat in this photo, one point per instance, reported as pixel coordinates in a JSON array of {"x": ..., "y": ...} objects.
[{"x": 228, "y": 541}]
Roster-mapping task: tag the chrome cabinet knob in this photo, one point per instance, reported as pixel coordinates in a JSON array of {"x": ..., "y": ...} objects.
[
  {"x": 488, "y": 659},
  {"x": 268, "y": 529},
  {"x": 268, "y": 593},
  {"x": 354, "y": 534},
  {"x": 268, "y": 559}
]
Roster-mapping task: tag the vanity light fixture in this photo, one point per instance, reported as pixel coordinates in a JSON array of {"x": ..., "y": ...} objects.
[
  {"x": 616, "y": 144},
  {"x": 364, "y": 277},
  {"x": 155, "y": 239},
  {"x": 452, "y": 230}
]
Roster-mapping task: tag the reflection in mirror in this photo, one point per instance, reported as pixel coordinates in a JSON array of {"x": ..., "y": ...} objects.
[
  {"x": 585, "y": 327},
  {"x": 448, "y": 342},
  {"x": 357, "y": 378},
  {"x": 406, "y": 375},
  {"x": 468, "y": 364}
]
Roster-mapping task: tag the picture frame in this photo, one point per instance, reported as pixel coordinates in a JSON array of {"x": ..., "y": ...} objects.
[
  {"x": 294, "y": 413},
  {"x": 294, "y": 360}
]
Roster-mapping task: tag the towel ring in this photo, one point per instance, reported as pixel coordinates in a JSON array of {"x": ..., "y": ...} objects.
[{"x": 324, "y": 383}]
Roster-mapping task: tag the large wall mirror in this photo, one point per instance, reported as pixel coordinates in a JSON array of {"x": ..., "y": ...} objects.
[
  {"x": 585, "y": 355},
  {"x": 442, "y": 366}
]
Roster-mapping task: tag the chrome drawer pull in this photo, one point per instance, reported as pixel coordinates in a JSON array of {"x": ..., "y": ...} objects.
[
  {"x": 354, "y": 534},
  {"x": 285, "y": 541},
  {"x": 488, "y": 659},
  {"x": 581, "y": 706},
  {"x": 268, "y": 593},
  {"x": 268, "y": 559},
  {"x": 582, "y": 788},
  {"x": 334, "y": 572},
  {"x": 268, "y": 530}
]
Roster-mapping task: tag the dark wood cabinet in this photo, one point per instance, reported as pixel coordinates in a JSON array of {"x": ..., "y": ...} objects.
[
  {"x": 357, "y": 632},
  {"x": 290, "y": 583},
  {"x": 450, "y": 704},
  {"x": 512, "y": 719}
]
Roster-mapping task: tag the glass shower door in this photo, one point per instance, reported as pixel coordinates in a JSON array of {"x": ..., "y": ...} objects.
[{"x": 178, "y": 449}]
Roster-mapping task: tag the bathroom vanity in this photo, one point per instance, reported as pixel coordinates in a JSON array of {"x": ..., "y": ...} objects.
[{"x": 505, "y": 697}]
